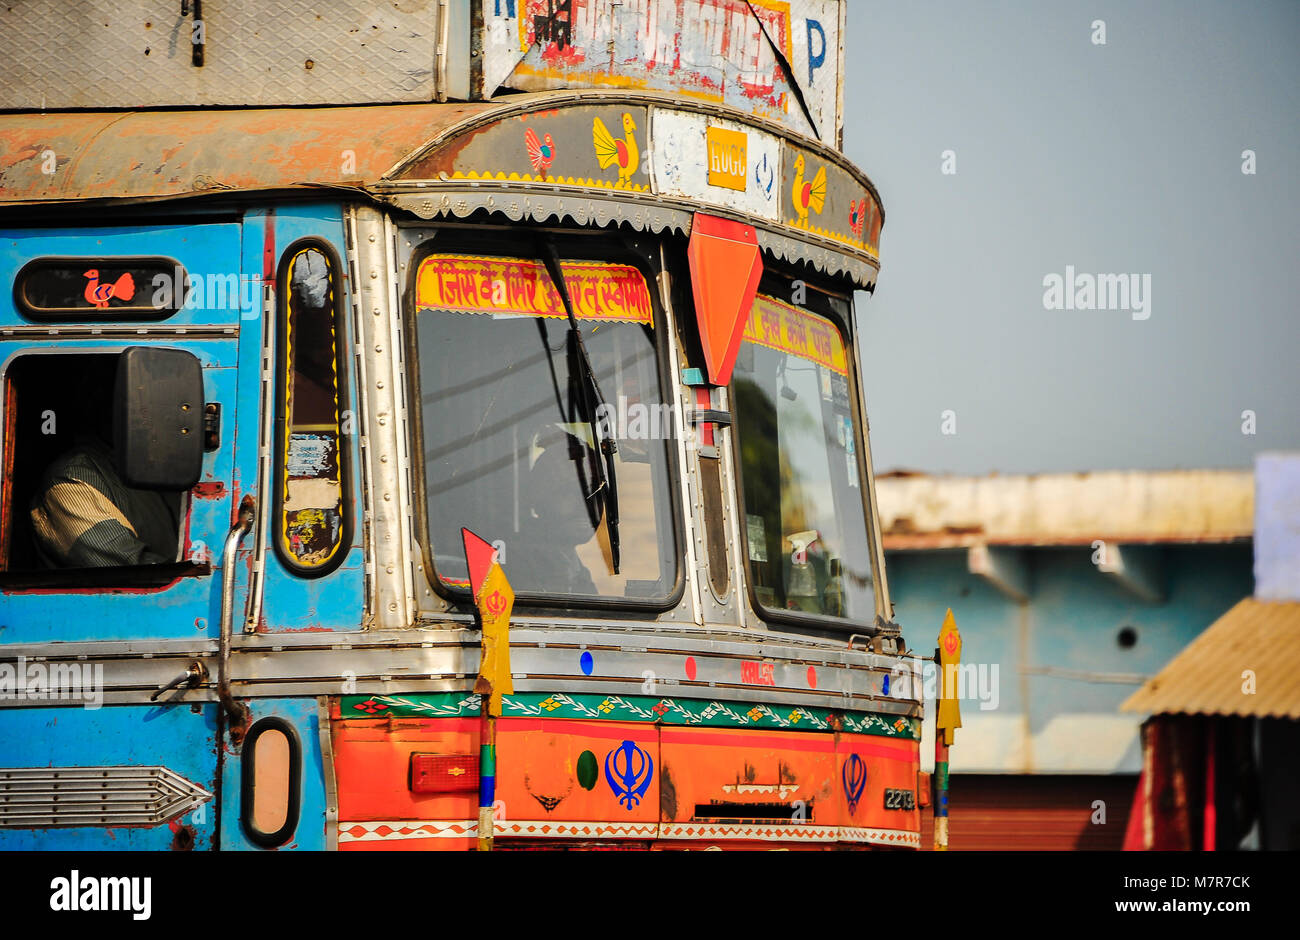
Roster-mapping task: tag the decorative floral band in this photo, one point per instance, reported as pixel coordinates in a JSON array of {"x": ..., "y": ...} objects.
[{"x": 648, "y": 708}]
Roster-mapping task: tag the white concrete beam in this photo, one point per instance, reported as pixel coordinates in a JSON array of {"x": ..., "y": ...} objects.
[
  {"x": 1138, "y": 569},
  {"x": 1006, "y": 569}
]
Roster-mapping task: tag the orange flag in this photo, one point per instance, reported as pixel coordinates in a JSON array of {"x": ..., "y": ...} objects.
[{"x": 949, "y": 718}]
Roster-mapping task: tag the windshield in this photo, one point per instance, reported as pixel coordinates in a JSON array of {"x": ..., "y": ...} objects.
[
  {"x": 508, "y": 450},
  {"x": 805, "y": 528}
]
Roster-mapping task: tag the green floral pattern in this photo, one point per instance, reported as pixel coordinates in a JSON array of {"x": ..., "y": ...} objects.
[{"x": 648, "y": 708}]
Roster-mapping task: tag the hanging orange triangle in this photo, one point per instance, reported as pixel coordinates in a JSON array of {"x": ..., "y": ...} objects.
[
  {"x": 726, "y": 265},
  {"x": 481, "y": 556}
]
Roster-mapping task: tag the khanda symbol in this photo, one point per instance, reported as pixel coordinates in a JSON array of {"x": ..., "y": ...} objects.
[
  {"x": 628, "y": 770},
  {"x": 854, "y": 777},
  {"x": 495, "y": 603}
]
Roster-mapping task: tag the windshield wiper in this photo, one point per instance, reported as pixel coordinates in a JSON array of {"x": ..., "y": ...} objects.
[{"x": 606, "y": 490}]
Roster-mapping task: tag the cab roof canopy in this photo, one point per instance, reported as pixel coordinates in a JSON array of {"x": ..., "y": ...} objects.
[{"x": 642, "y": 159}]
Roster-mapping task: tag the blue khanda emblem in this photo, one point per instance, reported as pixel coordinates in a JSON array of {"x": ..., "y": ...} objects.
[
  {"x": 628, "y": 770},
  {"x": 854, "y": 777}
]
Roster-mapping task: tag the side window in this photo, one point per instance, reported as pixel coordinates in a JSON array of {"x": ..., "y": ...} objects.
[
  {"x": 65, "y": 502},
  {"x": 81, "y": 289},
  {"x": 313, "y": 514},
  {"x": 805, "y": 522}
]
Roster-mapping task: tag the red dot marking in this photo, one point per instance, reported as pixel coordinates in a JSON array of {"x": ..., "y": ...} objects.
[
  {"x": 812, "y": 677},
  {"x": 690, "y": 668}
]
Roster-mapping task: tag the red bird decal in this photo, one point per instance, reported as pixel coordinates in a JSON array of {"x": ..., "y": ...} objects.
[
  {"x": 541, "y": 153},
  {"x": 857, "y": 216},
  {"x": 98, "y": 294}
]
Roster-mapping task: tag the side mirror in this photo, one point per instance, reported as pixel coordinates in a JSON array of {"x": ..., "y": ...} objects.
[{"x": 158, "y": 418}]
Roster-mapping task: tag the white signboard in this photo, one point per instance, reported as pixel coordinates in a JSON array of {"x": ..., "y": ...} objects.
[{"x": 721, "y": 163}]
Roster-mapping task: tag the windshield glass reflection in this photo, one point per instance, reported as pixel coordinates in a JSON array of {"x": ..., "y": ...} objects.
[
  {"x": 805, "y": 525},
  {"x": 508, "y": 451}
]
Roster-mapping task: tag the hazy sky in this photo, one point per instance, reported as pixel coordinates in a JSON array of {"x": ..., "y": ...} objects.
[{"x": 1115, "y": 158}]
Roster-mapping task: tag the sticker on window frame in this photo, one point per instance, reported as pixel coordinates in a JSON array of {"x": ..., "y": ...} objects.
[
  {"x": 313, "y": 511},
  {"x": 126, "y": 288},
  {"x": 788, "y": 329},
  {"x": 599, "y": 292}
]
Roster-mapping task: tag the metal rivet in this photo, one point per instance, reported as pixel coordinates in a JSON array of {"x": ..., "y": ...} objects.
[
  {"x": 372, "y": 236},
  {"x": 379, "y": 385}
]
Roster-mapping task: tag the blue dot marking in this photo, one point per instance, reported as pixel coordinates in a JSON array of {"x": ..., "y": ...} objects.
[{"x": 587, "y": 662}]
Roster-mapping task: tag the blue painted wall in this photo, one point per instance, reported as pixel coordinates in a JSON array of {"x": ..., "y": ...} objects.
[{"x": 1072, "y": 621}]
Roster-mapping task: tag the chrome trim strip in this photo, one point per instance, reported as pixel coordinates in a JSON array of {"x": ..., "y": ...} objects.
[
  {"x": 327, "y": 770},
  {"x": 46, "y": 797}
]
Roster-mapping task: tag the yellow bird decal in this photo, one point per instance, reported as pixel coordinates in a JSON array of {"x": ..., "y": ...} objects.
[
  {"x": 807, "y": 195},
  {"x": 611, "y": 151}
]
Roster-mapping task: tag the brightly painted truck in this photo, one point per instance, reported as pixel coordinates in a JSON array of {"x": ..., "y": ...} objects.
[{"x": 577, "y": 277}]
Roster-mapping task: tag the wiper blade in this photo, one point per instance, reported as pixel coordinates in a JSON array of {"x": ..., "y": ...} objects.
[{"x": 607, "y": 488}]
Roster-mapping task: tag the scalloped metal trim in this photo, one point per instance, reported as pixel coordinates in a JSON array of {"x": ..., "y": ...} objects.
[{"x": 585, "y": 209}]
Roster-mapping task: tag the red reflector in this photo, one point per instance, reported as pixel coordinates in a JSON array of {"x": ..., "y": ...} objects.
[
  {"x": 443, "y": 773},
  {"x": 725, "y": 267}
]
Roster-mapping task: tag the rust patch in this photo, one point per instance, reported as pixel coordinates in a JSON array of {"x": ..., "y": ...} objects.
[
  {"x": 182, "y": 837},
  {"x": 209, "y": 490},
  {"x": 667, "y": 794}
]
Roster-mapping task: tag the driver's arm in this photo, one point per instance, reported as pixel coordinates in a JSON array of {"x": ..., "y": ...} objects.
[{"x": 77, "y": 526}]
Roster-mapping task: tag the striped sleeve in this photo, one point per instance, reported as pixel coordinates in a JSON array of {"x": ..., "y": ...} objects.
[{"x": 77, "y": 526}]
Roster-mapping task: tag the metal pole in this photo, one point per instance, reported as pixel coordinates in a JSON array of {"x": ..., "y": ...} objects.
[
  {"x": 940, "y": 780},
  {"x": 487, "y": 768}
]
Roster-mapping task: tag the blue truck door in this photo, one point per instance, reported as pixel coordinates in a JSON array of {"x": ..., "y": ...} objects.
[{"x": 131, "y": 630}]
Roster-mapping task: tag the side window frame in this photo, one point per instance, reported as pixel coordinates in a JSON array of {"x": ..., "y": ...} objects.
[
  {"x": 283, "y": 423},
  {"x": 573, "y": 246},
  {"x": 178, "y": 294},
  {"x": 841, "y": 319},
  {"x": 141, "y": 579}
]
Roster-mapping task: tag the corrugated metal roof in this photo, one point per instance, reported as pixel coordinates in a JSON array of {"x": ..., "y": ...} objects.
[
  {"x": 928, "y": 512},
  {"x": 1206, "y": 678}
]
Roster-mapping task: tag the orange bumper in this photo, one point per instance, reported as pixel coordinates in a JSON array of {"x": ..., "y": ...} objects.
[{"x": 613, "y": 784}]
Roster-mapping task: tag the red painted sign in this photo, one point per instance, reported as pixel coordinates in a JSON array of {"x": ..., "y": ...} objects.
[{"x": 755, "y": 673}]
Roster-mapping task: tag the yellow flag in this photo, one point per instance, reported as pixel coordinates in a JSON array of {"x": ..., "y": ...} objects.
[
  {"x": 949, "y": 661},
  {"x": 495, "y": 600}
]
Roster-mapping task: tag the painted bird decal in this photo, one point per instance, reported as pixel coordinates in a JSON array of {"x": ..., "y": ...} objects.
[
  {"x": 611, "y": 152},
  {"x": 541, "y": 153},
  {"x": 857, "y": 215},
  {"x": 807, "y": 195},
  {"x": 98, "y": 294}
]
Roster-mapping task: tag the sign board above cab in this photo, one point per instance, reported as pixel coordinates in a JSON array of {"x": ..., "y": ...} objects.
[{"x": 777, "y": 59}]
